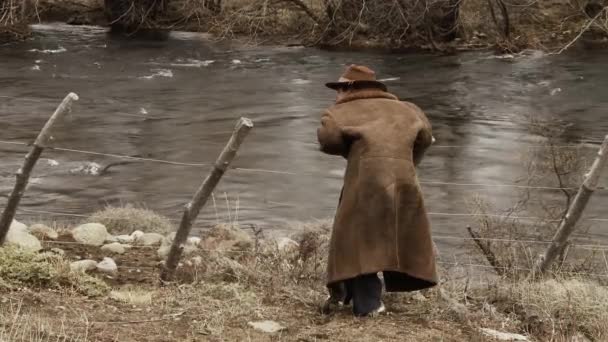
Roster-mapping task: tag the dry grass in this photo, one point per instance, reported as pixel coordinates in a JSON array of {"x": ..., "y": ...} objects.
[
  {"x": 555, "y": 309},
  {"x": 125, "y": 220},
  {"x": 132, "y": 296},
  {"x": 242, "y": 279},
  {"x": 20, "y": 268},
  {"x": 19, "y": 326}
]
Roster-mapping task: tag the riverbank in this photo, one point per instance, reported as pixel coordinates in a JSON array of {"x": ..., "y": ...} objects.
[
  {"x": 235, "y": 284},
  {"x": 512, "y": 27}
]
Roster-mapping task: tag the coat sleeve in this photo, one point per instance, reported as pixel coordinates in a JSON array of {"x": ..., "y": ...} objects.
[
  {"x": 424, "y": 139},
  {"x": 330, "y": 136}
]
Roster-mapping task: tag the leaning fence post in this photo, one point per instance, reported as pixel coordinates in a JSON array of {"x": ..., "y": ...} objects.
[
  {"x": 201, "y": 196},
  {"x": 567, "y": 224},
  {"x": 23, "y": 174}
]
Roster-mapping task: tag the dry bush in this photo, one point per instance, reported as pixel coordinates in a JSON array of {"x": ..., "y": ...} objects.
[
  {"x": 125, "y": 220},
  {"x": 554, "y": 309},
  {"x": 14, "y": 17},
  {"x": 512, "y": 243}
]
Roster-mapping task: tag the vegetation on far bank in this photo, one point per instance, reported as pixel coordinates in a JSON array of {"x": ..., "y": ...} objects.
[{"x": 445, "y": 25}]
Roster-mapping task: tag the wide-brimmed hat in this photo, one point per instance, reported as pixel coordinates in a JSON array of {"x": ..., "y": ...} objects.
[{"x": 357, "y": 77}]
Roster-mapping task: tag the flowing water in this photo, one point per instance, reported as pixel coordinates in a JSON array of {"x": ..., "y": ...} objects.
[{"x": 178, "y": 100}]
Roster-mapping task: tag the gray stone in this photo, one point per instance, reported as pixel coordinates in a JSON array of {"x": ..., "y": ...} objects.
[
  {"x": 150, "y": 239},
  {"x": 93, "y": 234},
  {"x": 83, "y": 265},
  {"x": 42, "y": 231},
  {"x": 501, "y": 336},
  {"x": 194, "y": 241},
  {"x": 17, "y": 235},
  {"x": 136, "y": 234},
  {"x": 16, "y": 225},
  {"x": 269, "y": 327},
  {"x": 111, "y": 238},
  {"x": 285, "y": 244},
  {"x": 419, "y": 297},
  {"x": 107, "y": 265},
  {"x": 169, "y": 238},
  {"x": 125, "y": 239},
  {"x": 163, "y": 251},
  {"x": 58, "y": 251},
  {"x": 114, "y": 247}
]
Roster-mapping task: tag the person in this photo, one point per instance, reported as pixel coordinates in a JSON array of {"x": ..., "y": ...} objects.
[{"x": 381, "y": 224}]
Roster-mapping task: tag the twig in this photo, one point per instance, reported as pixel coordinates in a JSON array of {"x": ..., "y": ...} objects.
[
  {"x": 487, "y": 252},
  {"x": 585, "y": 28}
]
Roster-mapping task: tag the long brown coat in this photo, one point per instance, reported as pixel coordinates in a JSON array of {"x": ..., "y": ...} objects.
[{"x": 381, "y": 223}]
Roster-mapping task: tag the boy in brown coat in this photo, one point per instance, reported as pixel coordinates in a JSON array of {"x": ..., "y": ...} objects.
[{"x": 381, "y": 223}]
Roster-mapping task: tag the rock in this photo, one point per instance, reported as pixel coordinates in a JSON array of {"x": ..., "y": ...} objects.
[
  {"x": 197, "y": 261},
  {"x": 580, "y": 337},
  {"x": 149, "y": 239},
  {"x": 163, "y": 251},
  {"x": 83, "y": 265},
  {"x": 136, "y": 234},
  {"x": 125, "y": 238},
  {"x": 419, "y": 297},
  {"x": 189, "y": 249},
  {"x": 107, "y": 265},
  {"x": 17, "y": 235},
  {"x": 285, "y": 244},
  {"x": 169, "y": 238},
  {"x": 501, "y": 336},
  {"x": 111, "y": 238},
  {"x": 58, "y": 251},
  {"x": 194, "y": 241},
  {"x": 114, "y": 247},
  {"x": 269, "y": 327},
  {"x": 16, "y": 225},
  {"x": 44, "y": 232},
  {"x": 93, "y": 234}
]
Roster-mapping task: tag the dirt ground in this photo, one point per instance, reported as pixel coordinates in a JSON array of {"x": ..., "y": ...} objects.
[{"x": 196, "y": 309}]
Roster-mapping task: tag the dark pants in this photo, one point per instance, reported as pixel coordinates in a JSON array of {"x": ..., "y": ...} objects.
[{"x": 365, "y": 292}]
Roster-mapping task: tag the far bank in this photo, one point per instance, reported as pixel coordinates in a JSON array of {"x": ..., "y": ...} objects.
[{"x": 400, "y": 26}]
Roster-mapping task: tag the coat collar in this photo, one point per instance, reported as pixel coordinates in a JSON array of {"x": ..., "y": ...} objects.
[{"x": 367, "y": 94}]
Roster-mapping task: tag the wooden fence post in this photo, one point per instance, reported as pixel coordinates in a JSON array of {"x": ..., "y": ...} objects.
[
  {"x": 201, "y": 196},
  {"x": 23, "y": 174},
  {"x": 568, "y": 223}
]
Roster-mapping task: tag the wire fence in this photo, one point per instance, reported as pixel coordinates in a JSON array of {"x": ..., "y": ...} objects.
[
  {"x": 304, "y": 174},
  {"x": 589, "y": 247}
]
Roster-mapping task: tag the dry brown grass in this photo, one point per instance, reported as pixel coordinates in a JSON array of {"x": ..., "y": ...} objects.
[{"x": 125, "y": 220}]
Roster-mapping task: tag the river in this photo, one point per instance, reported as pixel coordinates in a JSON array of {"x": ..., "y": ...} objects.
[{"x": 178, "y": 100}]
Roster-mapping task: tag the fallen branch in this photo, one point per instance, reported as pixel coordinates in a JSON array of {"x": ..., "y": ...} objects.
[
  {"x": 487, "y": 252},
  {"x": 580, "y": 34}
]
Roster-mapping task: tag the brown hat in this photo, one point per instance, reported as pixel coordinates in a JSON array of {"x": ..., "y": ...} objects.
[{"x": 357, "y": 77}]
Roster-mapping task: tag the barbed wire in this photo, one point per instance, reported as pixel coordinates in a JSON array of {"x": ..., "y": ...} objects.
[
  {"x": 260, "y": 170},
  {"x": 514, "y": 217},
  {"x": 517, "y": 268}
]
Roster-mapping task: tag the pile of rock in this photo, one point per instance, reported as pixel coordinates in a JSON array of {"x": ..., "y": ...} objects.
[
  {"x": 221, "y": 238},
  {"x": 28, "y": 238}
]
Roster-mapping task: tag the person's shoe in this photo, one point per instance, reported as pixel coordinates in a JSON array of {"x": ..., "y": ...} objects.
[
  {"x": 374, "y": 313},
  {"x": 330, "y": 305},
  {"x": 378, "y": 311}
]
